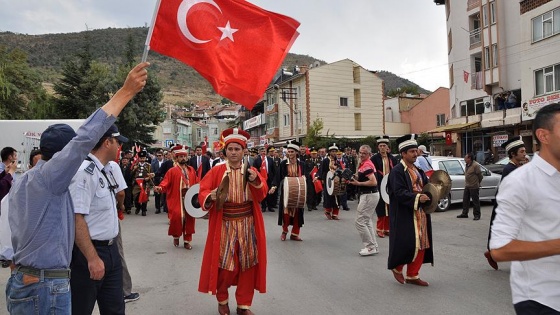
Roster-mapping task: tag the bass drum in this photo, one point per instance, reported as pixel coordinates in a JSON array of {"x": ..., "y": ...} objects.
[
  {"x": 295, "y": 192},
  {"x": 383, "y": 189}
]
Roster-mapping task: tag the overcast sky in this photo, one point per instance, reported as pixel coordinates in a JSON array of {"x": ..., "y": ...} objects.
[{"x": 406, "y": 37}]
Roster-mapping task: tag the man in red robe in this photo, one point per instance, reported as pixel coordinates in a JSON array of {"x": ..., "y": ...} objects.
[
  {"x": 235, "y": 252},
  {"x": 175, "y": 184}
]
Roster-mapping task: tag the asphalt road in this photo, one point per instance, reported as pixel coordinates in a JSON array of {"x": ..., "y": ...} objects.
[{"x": 321, "y": 275}]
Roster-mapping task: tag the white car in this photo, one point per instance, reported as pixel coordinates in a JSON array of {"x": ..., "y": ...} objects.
[{"x": 455, "y": 167}]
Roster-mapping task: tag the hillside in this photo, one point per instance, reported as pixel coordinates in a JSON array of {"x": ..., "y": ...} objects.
[{"x": 47, "y": 53}]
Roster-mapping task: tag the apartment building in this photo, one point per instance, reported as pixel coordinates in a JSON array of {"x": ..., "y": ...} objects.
[
  {"x": 344, "y": 95},
  {"x": 502, "y": 54}
]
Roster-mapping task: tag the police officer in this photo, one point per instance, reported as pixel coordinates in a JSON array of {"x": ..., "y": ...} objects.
[{"x": 96, "y": 264}]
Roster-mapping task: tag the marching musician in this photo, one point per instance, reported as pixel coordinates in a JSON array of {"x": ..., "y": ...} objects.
[
  {"x": 311, "y": 169},
  {"x": 235, "y": 251},
  {"x": 343, "y": 163},
  {"x": 175, "y": 184},
  {"x": 331, "y": 202},
  {"x": 383, "y": 162},
  {"x": 291, "y": 167},
  {"x": 410, "y": 242},
  {"x": 142, "y": 173}
]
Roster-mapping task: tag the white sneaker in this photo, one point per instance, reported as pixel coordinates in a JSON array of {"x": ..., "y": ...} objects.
[{"x": 369, "y": 251}]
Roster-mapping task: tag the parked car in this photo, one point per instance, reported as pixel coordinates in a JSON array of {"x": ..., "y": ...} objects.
[
  {"x": 498, "y": 167},
  {"x": 455, "y": 167}
]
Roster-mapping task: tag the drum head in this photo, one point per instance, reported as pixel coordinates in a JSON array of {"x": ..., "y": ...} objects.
[
  {"x": 330, "y": 182},
  {"x": 192, "y": 206},
  {"x": 383, "y": 189}
]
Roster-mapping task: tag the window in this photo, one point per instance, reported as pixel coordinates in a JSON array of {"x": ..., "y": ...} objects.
[
  {"x": 215, "y": 131},
  {"x": 166, "y": 130},
  {"x": 440, "y": 120},
  {"x": 494, "y": 55},
  {"x": 357, "y": 121},
  {"x": 453, "y": 167},
  {"x": 546, "y": 25},
  {"x": 344, "y": 101},
  {"x": 356, "y": 74},
  {"x": 357, "y": 98},
  {"x": 486, "y": 58},
  {"x": 492, "y": 12},
  {"x": 547, "y": 80},
  {"x": 485, "y": 15},
  {"x": 199, "y": 133},
  {"x": 472, "y": 107},
  {"x": 286, "y": 119}
]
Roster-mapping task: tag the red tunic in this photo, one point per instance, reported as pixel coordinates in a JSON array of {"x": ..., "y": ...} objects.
[
  {"x": 171, "y": 185},
  {"x": 210, "y": 260}
]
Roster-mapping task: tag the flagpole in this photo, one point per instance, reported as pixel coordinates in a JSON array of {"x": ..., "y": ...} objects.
[{"x": 150, "y": 31}]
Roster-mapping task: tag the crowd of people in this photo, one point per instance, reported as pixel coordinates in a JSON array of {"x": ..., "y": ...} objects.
[{"x": 74, "y": 184}]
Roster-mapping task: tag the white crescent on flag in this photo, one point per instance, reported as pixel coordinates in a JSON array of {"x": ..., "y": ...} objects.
[{"x": 184, "y": 8}]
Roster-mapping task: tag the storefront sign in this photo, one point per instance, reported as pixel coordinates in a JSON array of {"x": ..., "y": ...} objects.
[
  {"x": 529, "y": 108},
  {"x": 497, "y": 140}
]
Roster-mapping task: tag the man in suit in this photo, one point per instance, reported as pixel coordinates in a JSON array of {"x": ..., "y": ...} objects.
[
  {"x": 220, "y": 159},
  {"x": 200, "y": 162},
  {"x": 156, "y": 164},
  {"x": 265, "y": 166}
]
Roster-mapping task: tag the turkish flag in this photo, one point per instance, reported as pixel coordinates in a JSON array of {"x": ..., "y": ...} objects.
[
  {"x": 448, "y": 139},
  {"x": 205, "y": 145},
  {"x": 466, "y": 76},
  {"x": 235, "y": 45}
]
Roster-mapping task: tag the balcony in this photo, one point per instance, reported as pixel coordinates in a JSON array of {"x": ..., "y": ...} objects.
[
  {"x": 472, "y": 4},
  {"x": 475, "y": 37}
]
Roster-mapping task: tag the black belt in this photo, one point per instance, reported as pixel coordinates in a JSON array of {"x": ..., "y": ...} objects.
[
  {"x": 47, "y": 273},
  {"x": 372, "y": 191},
  {"x": 102, "y": 243}
]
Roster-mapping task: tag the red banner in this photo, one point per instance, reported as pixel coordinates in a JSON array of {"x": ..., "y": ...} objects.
[{"x": 448, "y": 139}]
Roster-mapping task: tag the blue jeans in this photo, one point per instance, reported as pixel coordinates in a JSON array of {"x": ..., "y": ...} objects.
[{"x": 48, "y": 296}]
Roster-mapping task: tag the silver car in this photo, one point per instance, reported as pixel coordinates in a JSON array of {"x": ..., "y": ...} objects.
[{"x": 455, "y": 167}]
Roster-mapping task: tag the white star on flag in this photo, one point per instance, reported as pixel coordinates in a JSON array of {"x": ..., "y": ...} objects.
[{"x": 227, "y": 31}]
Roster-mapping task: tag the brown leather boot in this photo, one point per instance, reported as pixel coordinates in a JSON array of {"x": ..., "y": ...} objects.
[
  {"x": 241, "y": 311},
  {"x": 223, "y": 309}
]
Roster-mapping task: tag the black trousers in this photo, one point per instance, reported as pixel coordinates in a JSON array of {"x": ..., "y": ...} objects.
[
  {"x": 468, "y": 194},
  {"x": 128, "y": 198},
  {"x": 108, "y": 292},
  {"x": 531, "y": 307}
]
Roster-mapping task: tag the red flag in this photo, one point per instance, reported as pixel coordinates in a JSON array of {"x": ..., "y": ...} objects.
[
  {"x": 317, "y": 184},
  {"x": 205, "y": 145},
  {"x": 263, "y": 172},
  {"x": 233, "y": 44},
  {"x": 466, "y": 76},
  {"x": 448, "y": 139},
  {"x": 143, "y": 197}
]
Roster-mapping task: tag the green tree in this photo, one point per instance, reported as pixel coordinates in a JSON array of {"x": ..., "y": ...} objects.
[
  {"x": 84, "y": 86},
  {"x": 143, "y": 113},
  {"x": 21, "y": 92},
  {"x": 409, "y": 89},
  {"x": 314, "y": 133}
]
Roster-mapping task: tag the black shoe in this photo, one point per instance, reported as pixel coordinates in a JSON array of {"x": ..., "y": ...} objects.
[
  {"x": 158, "y": 211},
  {"x": 127, "y": 211},
  {"x": 463, "y": 216},
  {"x": 165, "y": 211},
  {"x": 314, "y": 208},
  {"x": 131, "y": 297},
  {"x": 271, "y": 210},
  {"x": 346, "y": 209},
  {"x": 476, "y": 218},
  {"x": 137, "y": 211},
  {"x": 143, "y": 213},
  {"x": 263, "y": 209}
]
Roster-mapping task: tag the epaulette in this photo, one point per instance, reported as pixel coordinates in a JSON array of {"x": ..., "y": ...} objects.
[{"x": 90, "y": 168}]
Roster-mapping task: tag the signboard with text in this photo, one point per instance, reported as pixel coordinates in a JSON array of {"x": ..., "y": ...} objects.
[
  {"x": 529, "y": 108},
  {"x": 497, "y": 140}
]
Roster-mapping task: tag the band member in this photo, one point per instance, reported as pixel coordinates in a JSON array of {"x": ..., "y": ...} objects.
[
  {"x": 366, "y": 184},
  {"x": 343, "y": 163},
  {"x": 291, "y": 167},
  {"x": 330, "y": 203},
  {"x": 411, "y": 228},
  {"x": 311, "y": 169},
  {"x": 142, "y": 173},
  {"x": 175, "y": 184},
  {"x": 265, "y": 165},
  {"x": 515, "y": 148},
  {"x": 235, "y": 251},
  {"x": 383, "y": 162}
]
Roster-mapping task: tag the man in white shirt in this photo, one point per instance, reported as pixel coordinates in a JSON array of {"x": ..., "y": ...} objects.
[{"x": 526, "y": 228}]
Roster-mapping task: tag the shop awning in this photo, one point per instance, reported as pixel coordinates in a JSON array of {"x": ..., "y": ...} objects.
[{"x": 456, "y": 127}]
